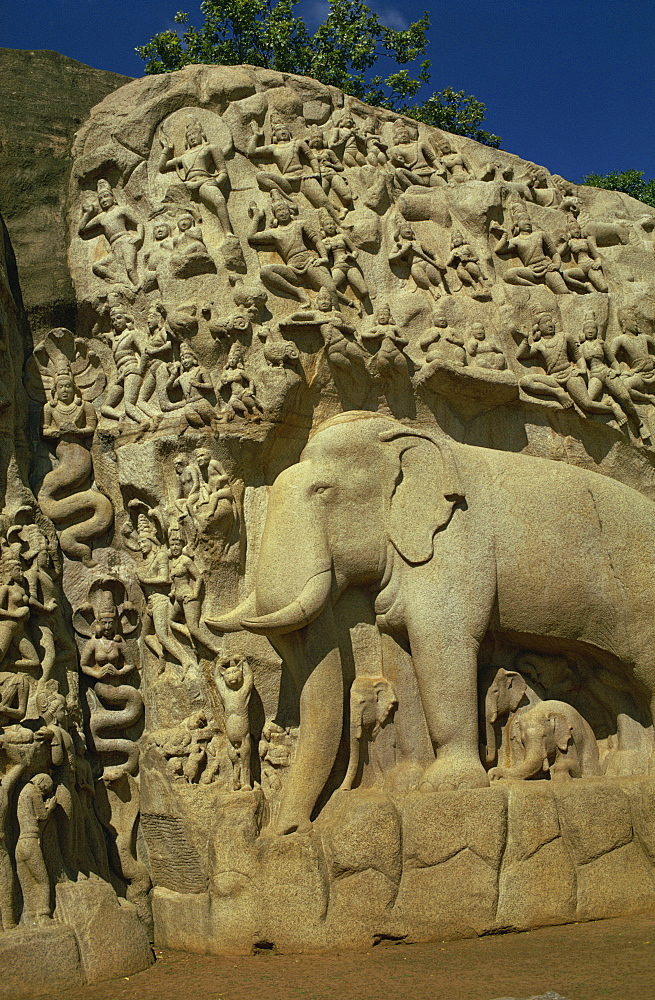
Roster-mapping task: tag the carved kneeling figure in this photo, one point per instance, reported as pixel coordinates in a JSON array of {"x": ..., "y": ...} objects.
[{"x": 555, "y": 737}]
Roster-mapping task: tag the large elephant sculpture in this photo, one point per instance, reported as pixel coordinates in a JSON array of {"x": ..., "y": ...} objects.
[{"x": 456, "y": 541}]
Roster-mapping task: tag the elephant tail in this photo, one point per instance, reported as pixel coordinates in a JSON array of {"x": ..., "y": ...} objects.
[{"x": 103, "y": 720}]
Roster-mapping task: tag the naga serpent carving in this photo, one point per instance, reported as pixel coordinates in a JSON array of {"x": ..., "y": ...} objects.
[
  {"x": 63, "y": 498},
  {"x": 103, "y": 659}
]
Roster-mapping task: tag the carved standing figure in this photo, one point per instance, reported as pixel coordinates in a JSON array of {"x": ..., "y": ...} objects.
[
  {"x": 389, "y": 345},
  {"x": 7, "y": 784},
  {"x": 14, "y": 614},
  {"x": 36, "y": 804},
  {"x": 424, "y": 268},
  {"x": 121, "y": 228}
]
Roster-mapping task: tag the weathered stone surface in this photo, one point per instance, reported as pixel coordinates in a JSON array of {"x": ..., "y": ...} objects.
[{"x": 36, "y": 960}]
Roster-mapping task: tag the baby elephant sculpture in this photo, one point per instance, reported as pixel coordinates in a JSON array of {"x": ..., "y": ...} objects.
[
  {"x": 546, "y": 736},
  {"x": 372, "y": 700}
]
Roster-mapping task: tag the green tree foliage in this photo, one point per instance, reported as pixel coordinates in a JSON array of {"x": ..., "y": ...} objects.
[
  {"x": 344, "y": 51},
  {"x": 629, "y": 181}
]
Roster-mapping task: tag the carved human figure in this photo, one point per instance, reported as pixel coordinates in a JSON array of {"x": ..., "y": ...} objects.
[
  {"x": 128, "y": 347},
  {"x": 51, "y": 706},
  {"x": 413, "y": 159},
  {"x": 330, "y": 170},
  {"x": 157, "y": 259},
  {"x": 341, "y": 349},
  {"x": 292, "y": 158},
  {"x": 185, "y": 482},
  {"x": 104, "y": 659},
  {"x": 441, "y": 342},
  {"x": 604, "y": 374},
  {"x": 481, "y": 351},
  {"x": 195, "y": 385},
  {"x": 243, "y": 401},
  {"x": 210, "y": 498},
  {"x": 64, "y": 496},
  {"x": 584, "y": 270},
  {"x": 346, "y": 139},
  {"x": 8, "y": 782},
  {"x": 14, "y": 615},
  {"x": 342, "y": 256},
  {"x": 121, "y": 228},
  {"x": 157, "y": 353},
  {"x": 633, "y": 347},
  {"x": 36, "y": 804},
  {"x": 200, "y": 168},
  {"x": 43, "y": 601},
  {"x": 388, "y": 343},
  {"x": 187, "y": 590},
  {"x": 564, "y": 377},
  {"x": 466, "y": 264},
  {"x": 290, "y": 238},
  {"x": 234, "y": 681},
  {"x": 154, "y": 576},
  {"x": 457, "y": 167},
  {"x": 372, "y": 700},
  {"x": 541, "y": 263},
  {"x": 92, "y": 836},
  {"x": 424, "y": 268},
  {"x": 190, "y": 255}
]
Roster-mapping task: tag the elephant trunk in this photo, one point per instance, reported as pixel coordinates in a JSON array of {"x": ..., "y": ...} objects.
[{"x": 490, "y": 715}]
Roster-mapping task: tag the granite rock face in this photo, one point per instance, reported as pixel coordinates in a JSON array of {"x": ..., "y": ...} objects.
[{"x": 332, "y": 511}]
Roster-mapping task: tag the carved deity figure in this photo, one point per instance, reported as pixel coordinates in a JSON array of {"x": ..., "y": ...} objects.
[
  {"x": 331, "y": 170},
  {"x": 482, "y": 352},
  {"x": 200, "y": 169},
  {"x": 210, "y": 496},
  {"x": 121, "y": 228},
  {"x": 52, "y": 708},
  {"x": 154, "y": 576},
  {"x": 466, "y": 264},
  {"x": 456, "y": 167},
  {"x": 633, "y": 347},
  {"x": 424, "y": 268},
  {"x": 104, "y": 659},
  {"x": 195, "y": 385},
  {"x": 36, "y": 804},
  {"x": 414, "y": 161},
  {"x": 341, "y": 349},
  {"x": 14, "y": 615},
  {"x": 187, "y": 590},
  {"x": 342, "y": 256},
  {"x": 564, "y": 377},
  {"x": 389, "y": 345},
  {"x": 64, "y": 496},
  {"x": 290, "y": 238},
  {"x": 541, "y": 263},
  {"x": 190, "y": 255},
  {"x": 234, "y": 680},
  {"x": 128, "y": 346},
  {"x": 346, "y": 140},
  {"x": 293, "y": 158},
  {"x": 604, "y": 374},
  {"x": 242, "y": 401},
  {"x": 157, "y": 259},
  {"x": 441, "y": 342},
  {"x": 582, "y": 268},
  {"x": 43, "y": 594}
]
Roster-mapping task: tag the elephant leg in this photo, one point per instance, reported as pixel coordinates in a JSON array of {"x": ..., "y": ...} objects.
[
  {"x": 313, "y": 659},
  {"x": 444, "y": 638}
]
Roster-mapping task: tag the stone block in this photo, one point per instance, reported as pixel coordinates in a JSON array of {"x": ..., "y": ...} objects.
[
  {"x": 292, "y": 879},
  {"x": 619, "y": 882},
  {"x": 182, "y": 920},
  {"x": 111, "y": 939},
  {"x": 37, "y": 961},
  {"x": 360, "y": 909},
  {"x": 532, "y": 819},
  {"x": 436, "y": 825},
  {"x": 456, "y": 898},
  {"x": 538, "y": 888},
  {"x": 594, "y": 818},
  {"x": 363, "y": 832}
]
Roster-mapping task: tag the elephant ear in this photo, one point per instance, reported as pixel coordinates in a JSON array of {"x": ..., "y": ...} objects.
[
  {"x": 563, "y": 731},
  {"x": 426, "y": 492}
]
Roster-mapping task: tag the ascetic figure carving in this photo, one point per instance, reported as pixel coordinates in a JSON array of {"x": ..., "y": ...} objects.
[
  {"x": 457, "y": 541},
  {"x": 200, "y": 168}
]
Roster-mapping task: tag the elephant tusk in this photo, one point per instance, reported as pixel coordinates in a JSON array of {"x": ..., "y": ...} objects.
[
  {"x": 306, "y": 607},
  {"x": 233, "y": 620}
]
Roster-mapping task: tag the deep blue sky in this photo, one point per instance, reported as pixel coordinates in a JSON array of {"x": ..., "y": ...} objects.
[{"x": 567, "y": 83}]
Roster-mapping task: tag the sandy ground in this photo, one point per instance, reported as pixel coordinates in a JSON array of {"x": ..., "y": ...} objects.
[{"x": 605, "y": 960}]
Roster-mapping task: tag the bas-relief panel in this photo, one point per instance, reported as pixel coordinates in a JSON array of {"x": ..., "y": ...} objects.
[{"x": 296, "y": 486}]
